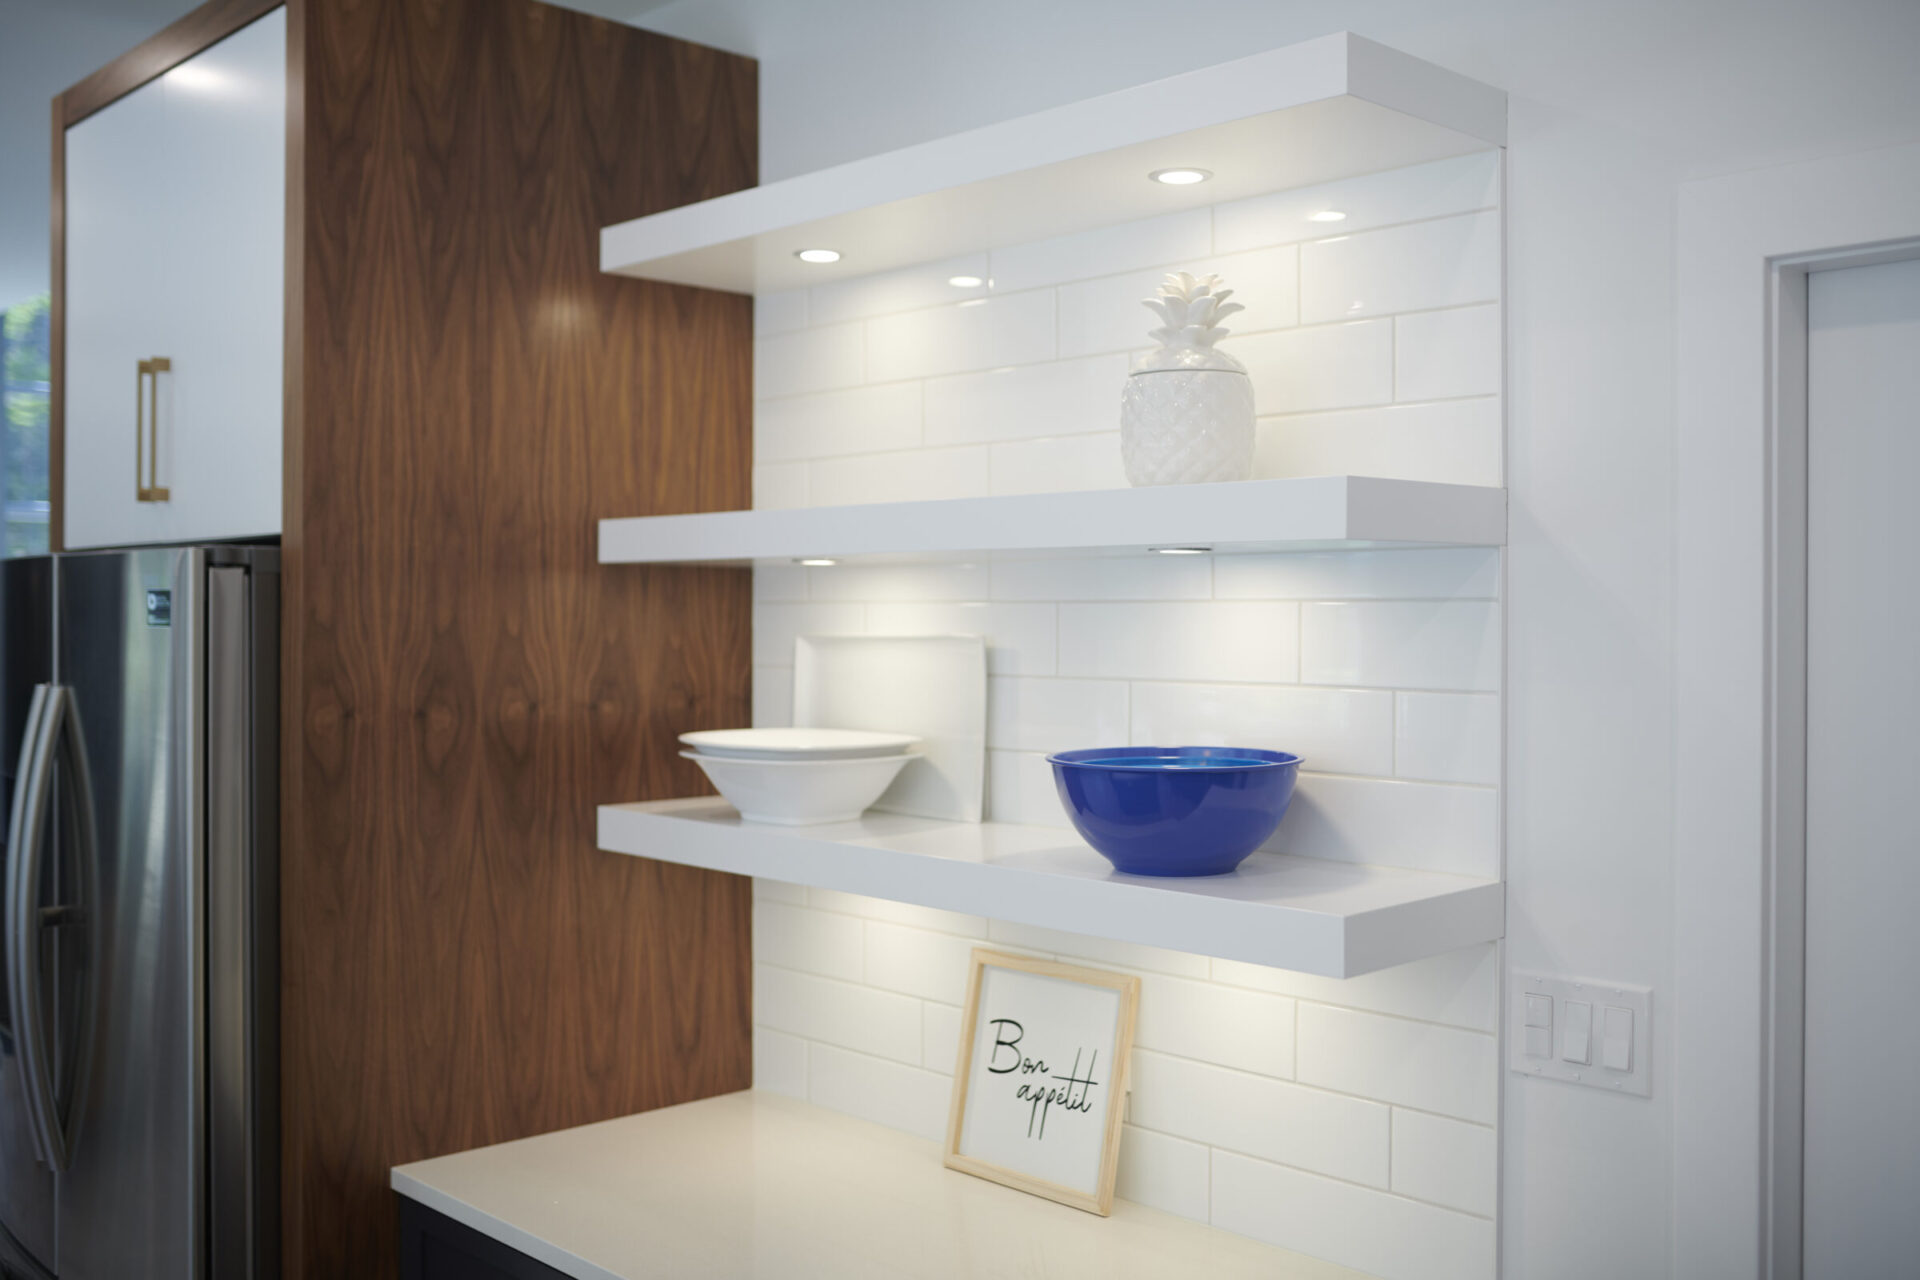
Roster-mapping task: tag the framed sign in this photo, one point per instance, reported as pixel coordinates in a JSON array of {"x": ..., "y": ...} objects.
[{"x": 1041, "y": 1082}]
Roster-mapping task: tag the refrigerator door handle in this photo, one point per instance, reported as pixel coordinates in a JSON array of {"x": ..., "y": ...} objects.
[
  {"x": 60, "y": 730},
  {"x": 28, "y": 823}
]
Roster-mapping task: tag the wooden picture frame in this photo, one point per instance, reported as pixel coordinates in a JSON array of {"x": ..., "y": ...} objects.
[{"x": 1027, "y": 1090}]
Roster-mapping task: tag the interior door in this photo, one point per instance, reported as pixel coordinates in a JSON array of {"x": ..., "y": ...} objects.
[
  {"x": 132, "y": 1201},
  {"x": 26, "y": 660},
  {"x": 1861, "y": 1182}
]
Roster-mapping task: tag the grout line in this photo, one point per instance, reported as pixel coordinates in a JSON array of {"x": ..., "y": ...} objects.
[
  {"x": 1318, "y": 1088},
  {"x": 1312, "y": 1173}
]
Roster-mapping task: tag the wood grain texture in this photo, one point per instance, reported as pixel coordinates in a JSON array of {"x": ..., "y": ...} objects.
[
  {"x": 464, "y": 683},
  {"x": 208, "y": 24}
]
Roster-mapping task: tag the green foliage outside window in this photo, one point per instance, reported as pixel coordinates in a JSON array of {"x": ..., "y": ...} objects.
[{"x": 24, "y": 370}]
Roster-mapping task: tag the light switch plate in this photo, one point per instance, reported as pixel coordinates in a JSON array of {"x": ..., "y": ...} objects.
[{"x": 1597, "y": 996}]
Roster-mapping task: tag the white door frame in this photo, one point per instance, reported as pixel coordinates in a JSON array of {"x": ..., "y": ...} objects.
[{"x": 1746, "y": 242}]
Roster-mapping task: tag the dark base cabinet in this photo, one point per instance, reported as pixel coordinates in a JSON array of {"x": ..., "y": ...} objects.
[{"x": 435, "y": 1247}]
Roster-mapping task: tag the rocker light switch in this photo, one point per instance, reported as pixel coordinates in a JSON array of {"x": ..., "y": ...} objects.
[
  {"x": 1579, "y": 1031},
  {"x": 1539, "y": 1025},
  {"x": 1616, "y": 1038},
  {"x": 1576, "y": 1036}
]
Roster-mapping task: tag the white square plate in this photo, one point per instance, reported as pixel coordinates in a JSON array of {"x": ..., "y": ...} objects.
[{"x": 934, "y": 687}]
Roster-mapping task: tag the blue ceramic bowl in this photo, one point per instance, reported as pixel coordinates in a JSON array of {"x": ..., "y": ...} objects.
[{"x": 1175, "y": 811}]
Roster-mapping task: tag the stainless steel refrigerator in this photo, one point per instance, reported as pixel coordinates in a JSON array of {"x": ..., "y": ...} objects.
[{"x": 139, "y": 710}]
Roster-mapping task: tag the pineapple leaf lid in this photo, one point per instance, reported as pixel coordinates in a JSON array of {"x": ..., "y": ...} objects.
[{"x": 1190, "y": 309}]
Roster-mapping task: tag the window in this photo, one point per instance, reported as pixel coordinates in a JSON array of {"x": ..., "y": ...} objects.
[{"x": 25, "y": 361}]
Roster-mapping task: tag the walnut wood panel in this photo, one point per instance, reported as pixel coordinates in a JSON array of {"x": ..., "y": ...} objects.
[
  {"x": 464, "y": 683},
  {"x": 209, "y": 24}
]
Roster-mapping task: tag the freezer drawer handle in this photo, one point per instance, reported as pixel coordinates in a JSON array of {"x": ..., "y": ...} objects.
[
  {"x": 53, "y": 724},
  {"x": 146, "y": 431}
]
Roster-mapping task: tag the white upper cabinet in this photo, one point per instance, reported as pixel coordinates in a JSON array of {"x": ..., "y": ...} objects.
[{"x": 175, "y": 240}]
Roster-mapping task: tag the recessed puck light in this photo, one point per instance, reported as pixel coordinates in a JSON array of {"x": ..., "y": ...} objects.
[
  {"x": 965, "y": 282},
  {"x": 814, "y": 562},
  {"x": 1180, "y": 177},
  {"x": 1328, "y": 215},
  {"x": 818, "y": 255},
  {"x": 1180, "y": 551}
]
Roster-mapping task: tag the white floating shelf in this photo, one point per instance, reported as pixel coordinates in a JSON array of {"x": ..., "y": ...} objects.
[
  {"x": 1309, "y": 113},
  {"x": 1336, "y": 919},
  {"x": 752, "y": 1185},
  {"x": 1316, "y": 513}
]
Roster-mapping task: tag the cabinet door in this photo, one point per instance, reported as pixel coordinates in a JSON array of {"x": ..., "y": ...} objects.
[
  {"x": 227, "y": 156},
  {"x": 176, "y": 199},
  {"x": 117, "y": 281}
]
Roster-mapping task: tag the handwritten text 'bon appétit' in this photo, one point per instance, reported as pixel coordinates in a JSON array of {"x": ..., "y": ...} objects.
[{"x": 1041, "y": 1097}]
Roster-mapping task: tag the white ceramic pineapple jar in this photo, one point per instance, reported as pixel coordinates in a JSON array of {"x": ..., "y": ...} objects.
[{"x": 1186, "y": 414}]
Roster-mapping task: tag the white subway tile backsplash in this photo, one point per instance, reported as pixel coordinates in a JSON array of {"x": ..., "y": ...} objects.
[
  {"x": 1457, "y": 185},
  {"x": 780, "y": 1063},
  {"x": 1415, "y": 1064},
  {"x": 1307, "y": 1128},
  {"x": 1456, "y": 573},
  {"x": 930, "y": 918},
  {"x": 908, "y": 289},
  {"x": 940, "y": 580},
  {"x": 1058, "y": 465},
  {"x": 1441, "y": 355},
  {"x": 790, "y": 364},
  {"x": 1381, "y": 1234},
  {"x": 1449, "y": 442},
  {"x": 830, "y": 423},
  {"x": 1146, "y": 242},
  {"x": 1106, "y": 314},
  {"x": 780, "y": 486},
  {"x": 776, "y": 625},
  {"x": 765, "y": 890},
  {"x": 914, "y": 962},
  {"x": 1418, "y": 644},
  {"x": 841, "y": 1013},
  {"x": 1446, "y": 1161},
  {"x": 1060, "y": 398},
  {"x": 1448, "y": 262},
  {"x": 888, "y": 1093},
  {"x": 779, "y": 581},
  {"x": 912, "y": 475},
  {"x": 1020, "y": 789},
  {"x": 811, "y": 941},
  {"x": 1328, "y": 366},
  {"x": 1020, "y": 637},
  {"x": 1237, "y": 641},
  {"x": 1148, "y": 577},
  {"x": 1162, "y": 1172},
  {"x": 1336, "y": 730},
  {"x": 1459, "y": 988},
  {"x": 779, "y": 312},
  {"x": 1097, "y": 951},
  {"x": 1210, "y": 1022},
  {"x": 1426, "y": 826},
  {"x": 1448, "y": 737},
  {"x": 1381, "y": 667},
  {"x": 982, "y": 333},
  {"x": 1055, "y": 715},
  {"x": 939, "y": 1037},
  {"x": 773, "y": 696}
]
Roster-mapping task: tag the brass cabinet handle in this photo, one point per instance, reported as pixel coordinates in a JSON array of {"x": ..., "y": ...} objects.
[{"x": 146, "y": 432}]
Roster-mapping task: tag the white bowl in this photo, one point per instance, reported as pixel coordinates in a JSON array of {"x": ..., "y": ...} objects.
[
  {"x": 798, "y": 744},
  {"x": 800, "y": 793}
]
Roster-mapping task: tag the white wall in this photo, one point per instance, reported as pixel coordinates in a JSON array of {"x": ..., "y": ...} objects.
[{"x": 1610, "y": 106}]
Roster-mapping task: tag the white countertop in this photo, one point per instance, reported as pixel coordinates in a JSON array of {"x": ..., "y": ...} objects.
[{"x": 753, "y": 1186}]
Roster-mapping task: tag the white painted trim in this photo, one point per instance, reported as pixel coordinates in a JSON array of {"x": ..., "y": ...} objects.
[{"x": 1741, "y": 239}]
